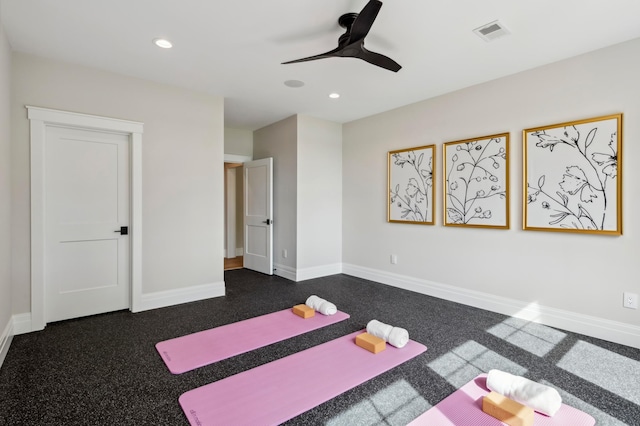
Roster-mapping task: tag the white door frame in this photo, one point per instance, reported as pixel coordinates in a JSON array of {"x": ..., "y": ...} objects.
[
  {"x": 230, "y": 180},
  {"x": 39, "y": 119},
  {"x": 231, "y": 204}
]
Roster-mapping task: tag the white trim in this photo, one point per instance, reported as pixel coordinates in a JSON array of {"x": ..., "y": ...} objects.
[
  {"x": 86, "y": 121},
  {"x": 5, "y": 340},
  {"x": 297, "y": 275},
  {"x": 37, "y": 224},
  {"x": 318, "y": 271},
  {"x": 166, "y": 298},
  {"x": 39, "y": 119},
  {"x": 22, "y": 324},
  {"x": 18, "y": 324},
  {"x": 230, "y": 216},
  {"x": 239, "y": 252},
  {"x": 161, "y": 299},
  {"x": 235, "y": 158},
  {"x": 136, "y": 220},
  {"x": 600, "y": 328},
  {"x": 284, "y": 271}
]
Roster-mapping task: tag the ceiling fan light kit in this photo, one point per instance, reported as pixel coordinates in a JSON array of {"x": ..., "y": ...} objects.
[{"x": 351, "y": 43}]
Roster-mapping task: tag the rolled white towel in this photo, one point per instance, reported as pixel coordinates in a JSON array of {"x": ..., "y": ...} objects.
[
  {"x": 541, "y": 398},
  {"x": 395, "y": 336},
  {"x": 321, "y": 305}
]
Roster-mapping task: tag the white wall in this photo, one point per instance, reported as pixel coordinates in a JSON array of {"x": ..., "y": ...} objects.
[
  {"x": 319, "y": 233},
  {"x": 279, "y": 140},
  {"x": 307, "y": 158},
  {"x": 238, "y": 141},
  {"x": 555, "y": 274},
  {"x": 182, "y": 170},
  {"x": 5, "y": 193}
]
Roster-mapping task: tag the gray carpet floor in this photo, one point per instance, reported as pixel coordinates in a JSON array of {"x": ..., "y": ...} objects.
[{"x": 104, "y": 369}]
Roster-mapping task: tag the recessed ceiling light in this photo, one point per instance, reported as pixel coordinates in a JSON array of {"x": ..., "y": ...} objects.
[
  {"x": 161, "y": 42},
  {"x": 334, "y": 95},
  {"x": 294, "y": 83}
]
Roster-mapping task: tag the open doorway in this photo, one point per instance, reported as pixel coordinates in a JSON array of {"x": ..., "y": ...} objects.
[
  {"x": 249, "y": 215},
  {"x": 234, "y": 230}
]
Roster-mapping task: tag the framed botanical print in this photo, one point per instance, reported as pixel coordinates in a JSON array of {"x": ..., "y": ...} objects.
[
  {"x": 573, "y": 176},
  {"x": 410, "y": 190},
  {"x": 476, "y": 182}
]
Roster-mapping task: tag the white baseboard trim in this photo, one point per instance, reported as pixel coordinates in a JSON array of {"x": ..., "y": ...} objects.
[
  {"x": 308, "y": 273},
  {"x": 5, "y": 340},
  {"x": 284, "y": 271},
  {"x": 601, "y": 328},
  {"x": 166, "y": 298},
  {"x": 22, "y": 324},
  {"x": 239, "y": 252},
  {"x": 318, "y": 271}
]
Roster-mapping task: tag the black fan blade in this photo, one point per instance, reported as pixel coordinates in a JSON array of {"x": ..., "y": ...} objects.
[
  {"x": 379, "y": 60},
  {"x": 364, "y": 21},
  {"x": 328, "y": 54}
]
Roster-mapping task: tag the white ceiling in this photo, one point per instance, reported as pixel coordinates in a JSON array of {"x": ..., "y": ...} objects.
[{"x": 235, "y": 48}]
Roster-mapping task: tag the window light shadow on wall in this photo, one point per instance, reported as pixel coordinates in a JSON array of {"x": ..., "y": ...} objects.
[{"x": 397, "y": 404}]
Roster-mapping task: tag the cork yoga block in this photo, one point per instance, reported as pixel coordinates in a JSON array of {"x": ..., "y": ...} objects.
[
  {"x": 507, "y": 410},
  {"x": 303, "y": 311},
  {"x": 371, "y": 343}
]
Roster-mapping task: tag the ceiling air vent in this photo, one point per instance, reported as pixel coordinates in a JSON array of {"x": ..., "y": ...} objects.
[{"x": 491, "y": 31}]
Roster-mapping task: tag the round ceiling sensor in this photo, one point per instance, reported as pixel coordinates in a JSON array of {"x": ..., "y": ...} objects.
[{"x": 294, "y": 83}]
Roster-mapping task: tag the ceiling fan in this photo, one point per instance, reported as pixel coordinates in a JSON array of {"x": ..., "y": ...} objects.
[{"x": 351, "y": 43}]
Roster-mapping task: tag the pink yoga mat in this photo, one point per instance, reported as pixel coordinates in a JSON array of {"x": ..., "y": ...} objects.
[
  {"x": 464, "y": 408},
  {"x": 280, "y": 390},
  {"x": 196, "y": 350}
]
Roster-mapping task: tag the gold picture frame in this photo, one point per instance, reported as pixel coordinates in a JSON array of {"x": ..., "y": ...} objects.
[
  {"x": 410, "y": 185},
  {"x": 476, "y": 182},
  {"x": 573, "y": 176}
]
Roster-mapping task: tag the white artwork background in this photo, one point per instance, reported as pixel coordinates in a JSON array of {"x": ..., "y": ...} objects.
[
  {"x": 411, "y": 185},
  {"x": 476, "y": 182},
  {"x": 572, "y": 177}
]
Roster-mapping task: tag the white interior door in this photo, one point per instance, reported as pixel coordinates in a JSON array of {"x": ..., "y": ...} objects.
[
  {"x": 258, "y": 215},
  {"x": 86, "y": 259}
]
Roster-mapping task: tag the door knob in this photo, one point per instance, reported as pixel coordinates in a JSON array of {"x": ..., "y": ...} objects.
[
  {"x": 124, "y": 230},
  {"x": 268, "y": 221}
]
